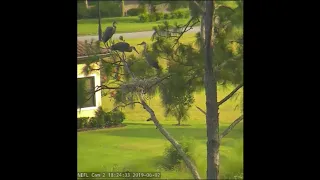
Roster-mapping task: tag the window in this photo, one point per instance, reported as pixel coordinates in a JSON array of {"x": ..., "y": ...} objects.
[{"x": 86, "y": 87}]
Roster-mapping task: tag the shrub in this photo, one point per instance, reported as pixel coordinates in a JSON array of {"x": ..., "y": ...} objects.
[
  {"x": 114, "y": 118},
  {"x": 100, "y": 116},
  {"x": 173, "y": 15},
  {"x": 159, "y": 16},
  {"x": 166, "y": 16},
  {"x": 186, "y": 14},
  {"x": 178, "y": 14},
  {"x": 152, "y": 17},
  {"x": 135, "y": 11},
  {"x": 172, "y": 158},
  {"x": 92, "y": 123},
  {"x": 144, "y": 17},
  {"x": 82, "y": 122}
]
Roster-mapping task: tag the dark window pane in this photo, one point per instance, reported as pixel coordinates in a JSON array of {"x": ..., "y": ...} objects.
[{"x": 85, "y": 92}]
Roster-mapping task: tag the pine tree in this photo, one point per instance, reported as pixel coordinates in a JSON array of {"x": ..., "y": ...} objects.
[{"x": 184, "y": 73}]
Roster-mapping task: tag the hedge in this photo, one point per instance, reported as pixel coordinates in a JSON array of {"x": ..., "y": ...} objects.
[{"x": 177, "y": 14}]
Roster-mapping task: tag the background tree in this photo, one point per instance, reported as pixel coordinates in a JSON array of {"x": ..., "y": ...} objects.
[{"x": 122, "y": 8}]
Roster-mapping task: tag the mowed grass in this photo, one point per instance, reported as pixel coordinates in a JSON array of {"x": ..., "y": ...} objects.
[
  {"x": 140, "y": 146},
  {"x": 125, "y": 24}
]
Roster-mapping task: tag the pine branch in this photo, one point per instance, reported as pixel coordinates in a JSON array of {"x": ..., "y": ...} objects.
[
  {"x": 232, "y": 125},
  {"x": 124, "y": 105},
  {"x": 186, "y": 30},
  {"x": 204, "y": 112},
  {"x": 230, "y": 94}
]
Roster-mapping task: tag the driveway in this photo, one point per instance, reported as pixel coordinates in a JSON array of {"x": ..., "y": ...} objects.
[{"x": 133, "y": 35}]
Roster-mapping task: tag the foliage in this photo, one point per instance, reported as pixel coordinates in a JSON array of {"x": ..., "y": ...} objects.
[
  {"x": 114, "y": 118},
  {"x": 177, "y": 14},
  {"x": 136, "y": 11},
  {"x": 174, "y": 5},
  {"x": 102, "y": 119},
  {"x": 144, "y": 17},
  {"x": 159, "y": 16},
  {"x": 107, "y": 9},
  {"x": 172, "y": 158},
  {"x": 82, "y": 122}
]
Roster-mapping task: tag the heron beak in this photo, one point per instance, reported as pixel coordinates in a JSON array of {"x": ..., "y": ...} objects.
[{"x": 135, "y": 49}]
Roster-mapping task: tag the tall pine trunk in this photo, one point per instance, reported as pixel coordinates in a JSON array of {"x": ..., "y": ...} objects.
[
  {"x": 99, "y": 23},
  {"x": 202, "y": 28},
  {"x": 210, "y": 84}
]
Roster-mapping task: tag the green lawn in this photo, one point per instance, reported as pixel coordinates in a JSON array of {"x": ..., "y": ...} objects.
[
  {"x": 140, "y": 147},
  {"x": 125, "y": 24}
]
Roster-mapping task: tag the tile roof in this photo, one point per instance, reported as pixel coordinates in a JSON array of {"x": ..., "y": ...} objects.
[{"x": 85, "y": 49}]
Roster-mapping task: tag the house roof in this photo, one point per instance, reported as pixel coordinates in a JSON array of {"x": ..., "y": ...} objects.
[{"x": 87, "y": 49}]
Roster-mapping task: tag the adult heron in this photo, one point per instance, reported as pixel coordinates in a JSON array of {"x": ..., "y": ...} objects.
[
  {"x": 150, "y": 60},
  {"x": 108, "y": 33}
]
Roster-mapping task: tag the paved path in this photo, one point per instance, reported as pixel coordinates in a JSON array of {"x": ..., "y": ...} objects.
[{"x": 132, "y": 35}]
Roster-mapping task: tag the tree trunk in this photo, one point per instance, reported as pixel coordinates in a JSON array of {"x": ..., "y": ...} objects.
[
  {"x": 211, "y": 99},
  {"x": 86, "y": 2},
  {"x": 165, "y": 133},
  {"x": 179, "y": 122},
  {"x": 202, "y": 29},
  {"x": 99, "y": 23},
  {"x": 122, "y": 8},
  {"x": 176, "y": 145}
]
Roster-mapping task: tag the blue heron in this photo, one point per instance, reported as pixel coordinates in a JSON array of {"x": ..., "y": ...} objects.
[
  {"x": 108, "y": 33},
  {"x": 151, "y": 61}
]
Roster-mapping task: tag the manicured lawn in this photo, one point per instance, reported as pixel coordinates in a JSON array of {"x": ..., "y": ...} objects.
[
  {"x": 125, "y": 24},
  {"x": 140, "y": 146}
]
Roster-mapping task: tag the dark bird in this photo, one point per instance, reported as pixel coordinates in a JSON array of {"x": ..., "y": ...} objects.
[
  {"x": 151, "y": 61},
  {"x": 108, "y": 33},
  {"x": 121, "y": 38},
  {"x": 123, "y": 47}
]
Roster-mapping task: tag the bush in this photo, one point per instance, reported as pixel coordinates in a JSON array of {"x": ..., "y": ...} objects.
[
  {"x": 92, "y": 123},
  {"x": 178, "y": 14},
  {"x": 173, "y": 15},
  {"x": 144, "y": 17},
  {"x": 172, "y": 158},
  {"x": 82, "y": 122},
  {"x": 159, "y": 16},
  {"x": 186, "y": 14},
  {"x": 152, "y": 17},
  {"x": 114, "y": 118},
  {"x": 135, "y": 11},
  {"x": 166, "y": 16}
]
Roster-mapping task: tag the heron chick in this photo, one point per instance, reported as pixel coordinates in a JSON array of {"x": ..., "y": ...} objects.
[
  {"x": 123, "y": 47},
  {"x": 109, "y": 32},
  {"x": 151, "y": 61}
]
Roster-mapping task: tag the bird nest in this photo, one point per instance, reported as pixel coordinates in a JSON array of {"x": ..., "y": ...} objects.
[{"x": 140, "y": 85}]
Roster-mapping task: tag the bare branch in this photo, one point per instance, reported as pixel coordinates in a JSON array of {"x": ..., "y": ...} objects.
[
  {"x": 232, "y": 125},
  {"x": 204, "y": 112},
  {"x": 230, "y": 94}
]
